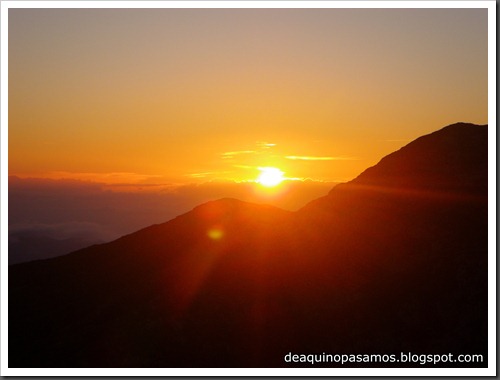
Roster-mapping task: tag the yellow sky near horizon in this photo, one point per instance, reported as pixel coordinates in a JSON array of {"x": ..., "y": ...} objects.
[{"x": 191, "y": 95}]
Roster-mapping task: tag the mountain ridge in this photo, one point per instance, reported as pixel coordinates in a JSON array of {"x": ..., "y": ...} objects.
[
  {"x": 459, "y": 167},
  {"x": 236, "y": 284},
  {"x": 449, "y": 143}
]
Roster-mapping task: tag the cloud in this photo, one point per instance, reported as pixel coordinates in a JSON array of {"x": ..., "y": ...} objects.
[
  {"x": 72, "y": 229},
  {"x": 35, "y": 241},
  {"x": 262, "y": 147},
  {"x": 246, "y": 167},
  {"x": 316, "y": 158},
  {"x": 109, "y": 178},
  {"x": 66, "y": 205},
  {"x": 265, "y": 145},
  {"x": 205, "y": 174},
  {"x": 228, "y": 155},
  {"x": 49, "y": 217}
]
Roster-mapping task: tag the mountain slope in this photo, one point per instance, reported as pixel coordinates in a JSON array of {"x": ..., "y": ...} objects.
[
  {"x": 453, "y": 159},
  {"x": 393, "y": 261},
  {"x": 412, "y": 230}
]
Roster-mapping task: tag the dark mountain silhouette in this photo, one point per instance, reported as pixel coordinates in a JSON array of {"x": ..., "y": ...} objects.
[{"x": 393, "y": 261}]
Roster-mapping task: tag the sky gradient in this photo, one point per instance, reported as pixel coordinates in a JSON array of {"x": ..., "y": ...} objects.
[{"x": 182, "y": 96}]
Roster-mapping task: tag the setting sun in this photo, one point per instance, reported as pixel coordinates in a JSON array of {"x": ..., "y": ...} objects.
[{"x": 270, "y": 177}]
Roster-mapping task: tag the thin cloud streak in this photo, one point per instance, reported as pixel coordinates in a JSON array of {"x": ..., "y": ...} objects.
[
  {"x": 315, "y": 158},
  {"x": 228, "y": 155},
  {"x": 264, "y": 145},
  {"x": 261, "y": 147},
  {"x": 205, "y": 174}
]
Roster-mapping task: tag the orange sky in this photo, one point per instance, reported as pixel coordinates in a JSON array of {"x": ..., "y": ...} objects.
[{"x": 180, "y": 96}]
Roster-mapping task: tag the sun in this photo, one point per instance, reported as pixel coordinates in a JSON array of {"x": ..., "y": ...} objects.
[{"x": 270, "y": 177}]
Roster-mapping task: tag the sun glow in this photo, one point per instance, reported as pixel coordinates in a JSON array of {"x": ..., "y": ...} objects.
[{"x": 270, "y": 177}]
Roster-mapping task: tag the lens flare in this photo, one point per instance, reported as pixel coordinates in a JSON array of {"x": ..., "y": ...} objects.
[{"x": 215, "y": 233}]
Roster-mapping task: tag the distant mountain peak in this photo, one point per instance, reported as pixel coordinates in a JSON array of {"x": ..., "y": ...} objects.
[
  {"x": 226, "y": 209},
  {"x": 450, "y": 162},
  {"x": 450, "y": 158}
]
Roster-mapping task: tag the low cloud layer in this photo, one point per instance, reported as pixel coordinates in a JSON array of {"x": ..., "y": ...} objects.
[
  {"x": 60, "y": 231},
  {"x": 90, "y": 212}
]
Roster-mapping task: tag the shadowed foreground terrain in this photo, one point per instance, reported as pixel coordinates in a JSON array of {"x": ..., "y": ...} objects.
[{"x": 393, "y": 261}]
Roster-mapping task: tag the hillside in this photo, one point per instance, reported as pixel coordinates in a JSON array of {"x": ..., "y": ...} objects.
[{"x": 393, "y": 261}]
